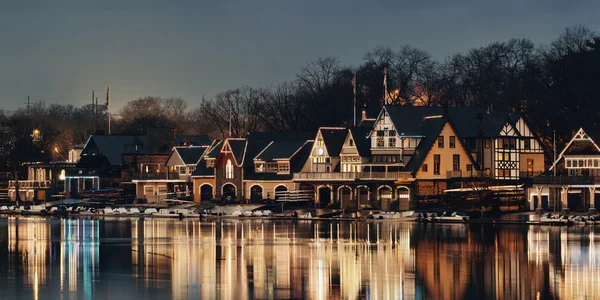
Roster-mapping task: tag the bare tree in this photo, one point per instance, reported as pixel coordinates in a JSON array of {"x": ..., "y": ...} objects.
[{"x": 175, "y": 108}]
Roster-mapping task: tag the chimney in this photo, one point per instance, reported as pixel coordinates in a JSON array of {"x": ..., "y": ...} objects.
[
  {"x": 364, "y": 113},
  {"x": 174, "y": 132}
]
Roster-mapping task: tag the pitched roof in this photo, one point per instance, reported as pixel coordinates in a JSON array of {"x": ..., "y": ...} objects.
[
  {"x": 280, "y": 150},
  {"x": 202, "y": 170},
  {"x": 361, "y": 140},
  {"x": 333, "y": 139},
  {"x": 237, "y": 148},
  {"x": 296, "y": 163},
  {"x": 432, "y": 129},
  {"x": 258, "y": 141},
  {"x": 112, "y": 146},
  {"x": 193, "y": 140},
  {"x": 190, "y": 155},
  {"x": 407, "y": 118},
  {"x": 215, "y": 149}
]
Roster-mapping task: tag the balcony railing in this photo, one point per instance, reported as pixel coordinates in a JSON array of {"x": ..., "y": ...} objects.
[
  {"x": 567, "y": 180},
  {"x": 467, "y": 174},
  {"x": 31, "y": 184},
  {"x": 349, "y": 176},
  {"x": 159, "y": 176}
]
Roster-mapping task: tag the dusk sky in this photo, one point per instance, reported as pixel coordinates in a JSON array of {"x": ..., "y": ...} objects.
[{"x": 58, "y": 51}]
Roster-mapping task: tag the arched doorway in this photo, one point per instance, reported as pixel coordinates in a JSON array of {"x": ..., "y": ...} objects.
[
  {"x": 229, "y": 191},
  {"x": 403, "y": 194},
  {"x": 324, "y": 195},
  {"x": 345, "y": 196},
  {"x": 385, "y": 197},
  {"x": 256, "y": 193},
  {"x": 206, "y": 192},
  {"x": 363, "y": 196},
  {"x": 279, "y": 191}
]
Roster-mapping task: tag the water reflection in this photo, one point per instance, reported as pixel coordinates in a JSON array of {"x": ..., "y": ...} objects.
[{"x": 123, "y": 258}]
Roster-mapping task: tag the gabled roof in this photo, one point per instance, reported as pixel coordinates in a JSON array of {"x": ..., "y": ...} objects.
[
  {"x": 581, "y": 143},
  {"x": 112, "y": 146},
  {"x": 193, "y": 140},
  {"x": 361, "y": 140},
  {"x": 215, "y": 149},
  {"x": 190, "y": 155},
  {"x": 407, "y": 119},
  {"x": 296, "y": 163},
  {"x": 280, "y": 150},
  {"x": 202, "y": 170},
  {"x": 237, "y": 147},
  {"x": 333, "y": 138},
  {"x": 258, "y": 141},
  {"x": 432, "y": 128}
]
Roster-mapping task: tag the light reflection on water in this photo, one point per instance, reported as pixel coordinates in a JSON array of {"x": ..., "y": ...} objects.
[{"x": 158, "y": 258}]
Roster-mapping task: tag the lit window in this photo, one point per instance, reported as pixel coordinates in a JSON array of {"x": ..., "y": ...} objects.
[
  {"x": 392, "y": 142},
  {"x": 380, "y": 142},
  {"x": 229, "y": 169}
]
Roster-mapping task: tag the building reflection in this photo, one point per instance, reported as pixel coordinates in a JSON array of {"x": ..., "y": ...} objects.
[{"x": 316, "y": 260}]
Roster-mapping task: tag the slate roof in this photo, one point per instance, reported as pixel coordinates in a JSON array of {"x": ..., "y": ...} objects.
[
  {"x": 432, "y": 128},
  {"x": 202, "y": 170},
  {"x": 278, "y": 150},
  {"x": 190, "y": 155},
  {"x": 296, "y": 164},
  {"x": 333, "y": 139},
  {"x": 194, "y": 140},
  {"x": 215, "y": 149},
  {"x": 237, "y": 148},
  {"x": 407, "y": 119},
  {"x": 361, "y": 142},
  {"x": 258, "y": 141},
  {"x": 113, "y": 146}
]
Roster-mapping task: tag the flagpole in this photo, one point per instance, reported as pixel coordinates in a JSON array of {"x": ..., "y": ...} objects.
[
  {"x": 385, "y": 91},
  {"x": 354, "y": 96},
  {"x": 554, "y": 150},
  {"x": 230, "y": 108},
  {"x": 108, "y": 106}
]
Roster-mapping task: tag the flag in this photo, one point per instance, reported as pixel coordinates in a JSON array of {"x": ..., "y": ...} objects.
[{"x": 108, "y": 95}]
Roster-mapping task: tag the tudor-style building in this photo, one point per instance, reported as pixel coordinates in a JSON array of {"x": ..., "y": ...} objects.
[{"x": 573, "y": 179}]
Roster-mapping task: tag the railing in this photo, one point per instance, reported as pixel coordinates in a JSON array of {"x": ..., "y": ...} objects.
[
  {"x": 530, "y": 174},
  {"x": 31, "y": 184},
  {"x": 347, "y": 176},
  {"x": 159, "y": 176},
  {"x": 566, "y": 180},
  {"x": 467, "y": 174}
]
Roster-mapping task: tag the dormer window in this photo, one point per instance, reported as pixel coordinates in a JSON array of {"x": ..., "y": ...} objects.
[
  {"x": 210, "y": 163},
  {"x": 284, "y": 167},
  {"x": 259, "y": 167}
]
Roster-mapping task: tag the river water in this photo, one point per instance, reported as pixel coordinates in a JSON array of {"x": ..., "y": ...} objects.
[{"x": 42, "y": 258}]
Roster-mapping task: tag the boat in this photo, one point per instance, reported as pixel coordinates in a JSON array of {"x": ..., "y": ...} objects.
[
  {"x": 453, "y": 217},
  {"x": 429, "y": 217},
  {"x": 267, "y": 213},
  {"x": 35, "y": 210},
  {"x": 306, "y": 215},
  {"x": 257, "y": 213},
  {"x": 237, "y": 213},
  {"x": 108, "y": 211},
  {"x": 166, "y": 213},
  {"x": 247, "y": 213},
  {"x": 149, "y": 211},
  {"x": 413, "y": 217},
  {"x": 121, "y": 211},
  {"x": 133, "y": 211},
  {"x": 554, "y": 219},
  {"x": 3, "y": 209}
]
